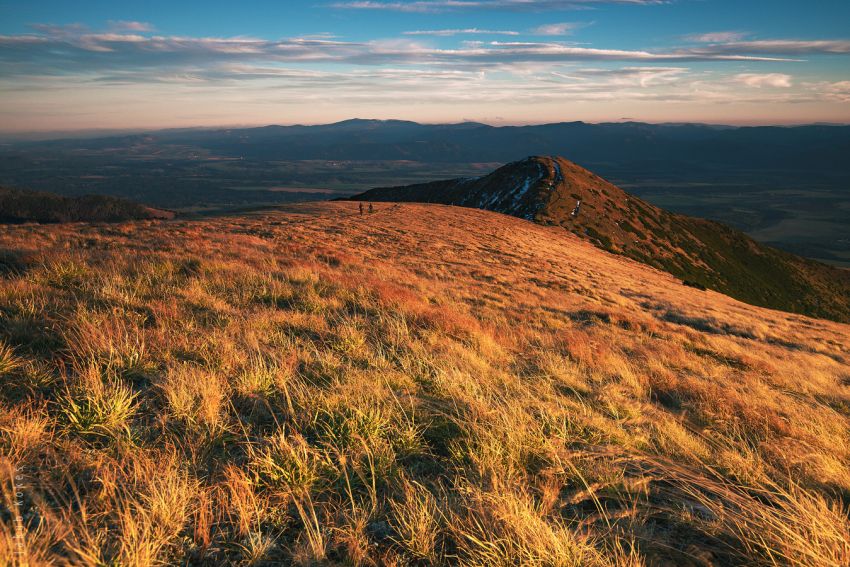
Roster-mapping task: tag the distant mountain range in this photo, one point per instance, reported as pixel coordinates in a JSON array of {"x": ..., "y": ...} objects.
[
  {"x": 553, "y": 190},
  {"x": 19, "y": 206},
  {"x": 774, "y": 147}
]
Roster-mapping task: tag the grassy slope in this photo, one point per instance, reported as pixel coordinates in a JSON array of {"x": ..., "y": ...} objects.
[{"x": 424, "y": 384}]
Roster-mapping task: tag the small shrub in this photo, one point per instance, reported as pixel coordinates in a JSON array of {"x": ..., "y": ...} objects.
[
  {"x": 695, "y": 285},
  {"x": 260, "y": 377},
  {"x": 285, "y": 462}
]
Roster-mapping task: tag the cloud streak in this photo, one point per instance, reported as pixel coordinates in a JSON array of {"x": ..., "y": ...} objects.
[
  {"x": 776, "y": 47},
  {"x": 465, "y": 31}
]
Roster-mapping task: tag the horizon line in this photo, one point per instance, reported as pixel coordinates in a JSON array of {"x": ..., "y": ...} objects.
[{"x": 44, "y": 135}]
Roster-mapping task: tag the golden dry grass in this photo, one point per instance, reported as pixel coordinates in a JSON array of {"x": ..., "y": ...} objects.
[{"x": 424, "y": 385}]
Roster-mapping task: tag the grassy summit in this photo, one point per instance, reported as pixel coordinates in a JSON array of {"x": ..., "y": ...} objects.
[{"x": 421, "y": 385}]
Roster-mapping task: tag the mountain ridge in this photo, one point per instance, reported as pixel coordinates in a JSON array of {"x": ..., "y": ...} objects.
[
  {"x": 553, "y": 190},
  {"x": 20, "y": 206}
]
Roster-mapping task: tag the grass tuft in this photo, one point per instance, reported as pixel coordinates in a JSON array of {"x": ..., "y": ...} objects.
[{"x": 98, "y": 406}]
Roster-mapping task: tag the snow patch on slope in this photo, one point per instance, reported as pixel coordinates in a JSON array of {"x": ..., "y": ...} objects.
[
  {"x": 508, "y": 199},
  {"x": 520, "y": 191}
]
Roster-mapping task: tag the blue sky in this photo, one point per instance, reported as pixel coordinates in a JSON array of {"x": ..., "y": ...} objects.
[{"x": 75, "y": 64}]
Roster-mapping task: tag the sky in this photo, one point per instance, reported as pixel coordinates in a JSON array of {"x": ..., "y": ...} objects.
[{"x": 92, "y": 64}]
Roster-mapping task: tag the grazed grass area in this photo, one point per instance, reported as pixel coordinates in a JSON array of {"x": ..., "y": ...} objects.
[{"x": 422, "y": 385}]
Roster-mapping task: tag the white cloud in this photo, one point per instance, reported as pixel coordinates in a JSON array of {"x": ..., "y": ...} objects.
[
  {"x": 759, "y": 80},
  {"x": 834, "y": 91},
  {"x": 130, "y": 26},
  {"x": 563, "y": 28}
]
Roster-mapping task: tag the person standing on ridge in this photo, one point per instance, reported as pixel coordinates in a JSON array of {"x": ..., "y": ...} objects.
[
  {"x": 371, "y": 210},
  {"x": 361, "y": 208}
]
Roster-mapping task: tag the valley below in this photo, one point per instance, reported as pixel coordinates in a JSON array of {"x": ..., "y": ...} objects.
[{"x": 787, "y": 187}]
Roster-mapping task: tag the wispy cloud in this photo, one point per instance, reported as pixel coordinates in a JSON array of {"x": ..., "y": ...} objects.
[
  {"x": 642, "y": 76},
  {"x": 716, "y": 37},
  {"x": 64, "y": 50},
  {"x": 465, "y": 31},
  {"x": 455, "y": 5},
  {"x": 838, "y": 91},
  {"x": 759, "y": 80}
]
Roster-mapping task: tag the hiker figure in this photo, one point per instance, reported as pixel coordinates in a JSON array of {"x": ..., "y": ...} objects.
[
  {"x": 361, "y": 209},
  {"x": 371, "y": 210},
  {"x": 576, "y": 210}
]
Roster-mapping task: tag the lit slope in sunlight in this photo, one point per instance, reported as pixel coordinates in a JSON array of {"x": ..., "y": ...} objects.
[
  {"x": 424, "y": 384},
  {"x": 556, "y": 191}
]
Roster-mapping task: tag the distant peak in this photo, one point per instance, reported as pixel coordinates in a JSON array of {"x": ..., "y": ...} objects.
[
  {"x": 371, "y": 122},
  {"x": 552, "y": 162}
]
